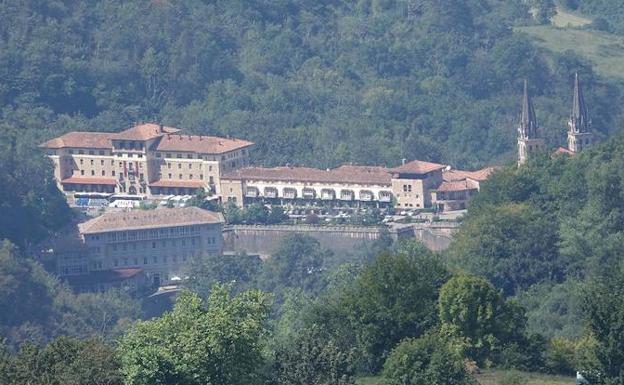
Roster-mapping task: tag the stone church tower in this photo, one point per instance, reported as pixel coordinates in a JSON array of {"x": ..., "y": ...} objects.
[
  {"x": 579, "y": 125},
  {"x": 528, "y": 141}
]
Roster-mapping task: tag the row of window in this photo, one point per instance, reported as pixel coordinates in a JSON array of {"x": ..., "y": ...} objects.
[
  {"x": 191, "y": 177},
  {"x": 139, "y": 146},
  {"x": 230, "y": 155},
  {"x": 146, "y": 260},
  {"x": 129, "y": 155},
  {"x": 163, "y": 243},
  {"x": 190, "y": 166},
  {"x": 90, "y": 152},
  {"x": 150, "y": 234},
  {"x": 131, "y": 145}
]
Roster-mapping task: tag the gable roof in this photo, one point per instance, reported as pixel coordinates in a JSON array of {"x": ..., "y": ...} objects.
[
  {"x": 79, "y": 139},
  {"x": 144, "y": 131},
  {"x": 417, "y": 167},
  {"x": 343, "y": 174},
  {"x": 458, "y": 185},
  {"x": 149, "y": 219},
  {"x": 200, "y": 144},
  {"x": 478, "y": 175}
]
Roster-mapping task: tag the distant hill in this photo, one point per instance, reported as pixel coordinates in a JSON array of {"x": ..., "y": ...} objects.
[
  {"x": 317, "y": 83},
  {"x": 604, "y": 50}
]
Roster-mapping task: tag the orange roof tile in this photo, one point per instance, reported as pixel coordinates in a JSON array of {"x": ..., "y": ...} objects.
[
  {"x": 478, "y": 175},
  {"x": 342, "y": 174},
  {"x": 149, "y": 219},
  {"x": 144, "y": 131},
  {"x": 89, "y": 180},
  {"x": 417, "y": 167},
  {"x": 177, "y": 183},
  {"x": 459, "y": 185},
  {"x": 563, "y": 150},
  {"x": 200, "y": 144},
  {"x": 78, "y": 139}
]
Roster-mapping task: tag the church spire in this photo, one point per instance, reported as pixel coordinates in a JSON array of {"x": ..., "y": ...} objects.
[
  {"x": 579, "y": 125},
  {"x": 528, "y": 141},
  {"x": 528, "y": 122},
  {"x": 579, "y": 118}
]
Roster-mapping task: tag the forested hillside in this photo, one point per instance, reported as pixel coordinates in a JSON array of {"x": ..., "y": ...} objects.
[
  {"x": 608, "y": 14},
  {"x": 533, "y": 281},
  {"x": 317, "y": 83},
  {"x": 550, "y": 236}
]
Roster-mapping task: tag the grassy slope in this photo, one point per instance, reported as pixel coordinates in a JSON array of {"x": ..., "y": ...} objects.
[
  {"x": 565, "y": 18},
  {"x": 604, "y": 50},
  {"x": 493, "y": 378}
]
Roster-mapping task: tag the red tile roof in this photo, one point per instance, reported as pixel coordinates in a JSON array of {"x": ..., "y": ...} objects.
[
  {"x": 89, "y": 180},
  {"x": 78, "y": 139},
  {"x": 342, "y": 174},
  {"x": 563, "y": 150},
  {"x": 459, "y": 185},
  {"x": 144, "y": 131},
  {"x": 478, "y": 175},
  {"x": 200, "y": 144},
  {"x": 417, "y": 167},
  {"x": 177, "y": 183},
  {"x": 149, "y": 219}
]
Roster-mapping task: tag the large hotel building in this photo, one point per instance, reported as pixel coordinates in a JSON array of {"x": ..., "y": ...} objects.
[
  {"x": 152, "y": 160},
  {"x": 147, "y": 160}
]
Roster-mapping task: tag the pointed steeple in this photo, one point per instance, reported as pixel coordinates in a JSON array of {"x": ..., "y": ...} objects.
[
  {"x": 579, "y": 125},
  {"x": 579, "y": 118},
  {"x": 528, "y": 141},
  {"x": 528, "y": 122}
]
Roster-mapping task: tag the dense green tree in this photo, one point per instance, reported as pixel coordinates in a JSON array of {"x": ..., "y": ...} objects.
[
  {"x": 219, "y": 342},
  {"x": 603, "y": 304},
  {"x": 428, "y": 360},
  {"x": 239, "y": 270},
  {"x": 513, "y": 245},
  {"x": 313, "y": 358},
  {"x": 298, "y": 263},
  {"x": 277, "y": 215},
  {"x": 393, "y": 298},
  {"x": 473, "y": 312},
  {"x": 35, "y": 306},
  {"x": 256, "y": 213},
  {"x": 554, "y": 309},
  {"x": 320, "y": 84},
  {"x": 64, "y": 361}
]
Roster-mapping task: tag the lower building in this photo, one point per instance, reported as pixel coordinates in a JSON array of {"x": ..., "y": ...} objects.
[
  {"x": 458, "y": 187},
  {"x": 411, "y": 186},
  {"x": 346, "y": 185},
  {"x": 159, "y": 242}
]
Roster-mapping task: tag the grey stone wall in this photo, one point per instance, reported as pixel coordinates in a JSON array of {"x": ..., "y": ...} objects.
[{"x": 264, "y": 240}]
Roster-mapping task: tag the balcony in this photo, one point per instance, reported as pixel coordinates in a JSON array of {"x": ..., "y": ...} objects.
[
  {"x": 346, "y": 195},
  {"x": 252, "y": 192},
  {"x": 290, "y": 193},
  {"x": 366, "y": 195},
  {"x": 270, "y": 192},
  {"x": 309, "y": 193},
  {"x": 385, "y": 196},
  {"x": 328, "y": 194}
]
